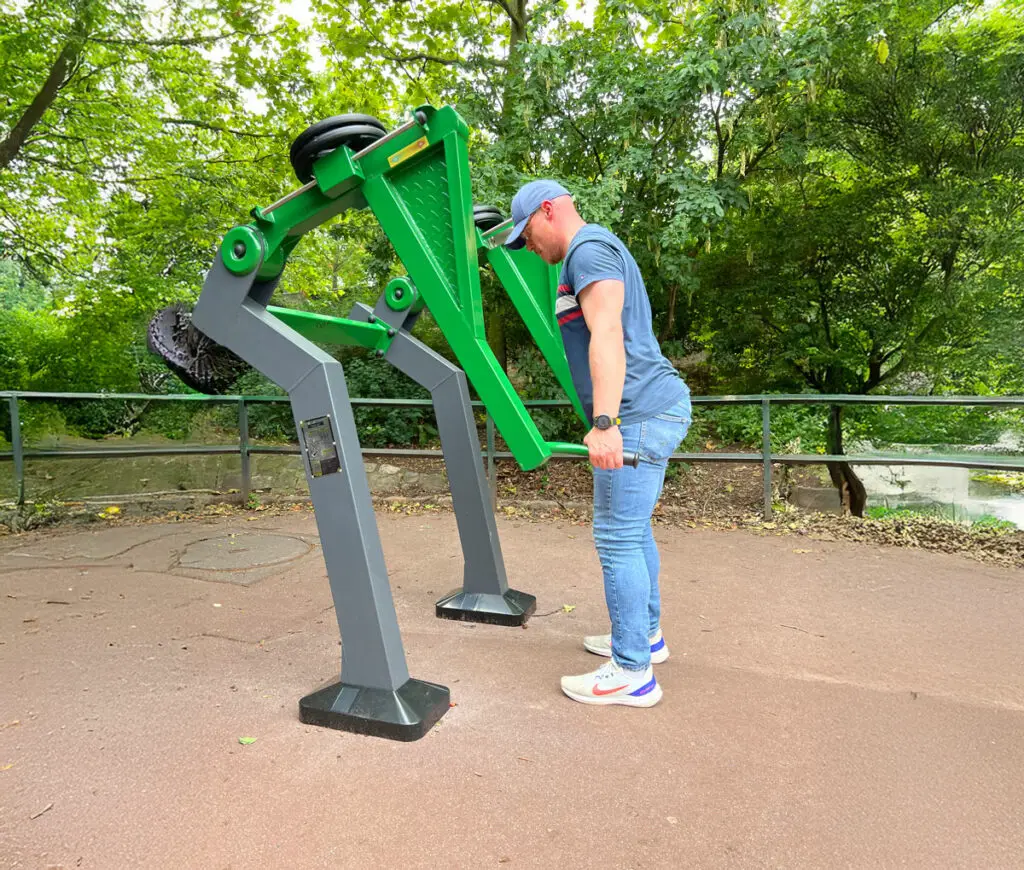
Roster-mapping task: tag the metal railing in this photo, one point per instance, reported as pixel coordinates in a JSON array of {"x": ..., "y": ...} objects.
[{"x": 764, "y": 457}]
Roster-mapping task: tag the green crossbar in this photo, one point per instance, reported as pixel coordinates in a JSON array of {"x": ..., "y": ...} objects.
[{"x": 325, "y": 329}]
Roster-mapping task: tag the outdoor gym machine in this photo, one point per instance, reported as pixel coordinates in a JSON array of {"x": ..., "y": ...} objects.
[{"x": 415, "y": 180}]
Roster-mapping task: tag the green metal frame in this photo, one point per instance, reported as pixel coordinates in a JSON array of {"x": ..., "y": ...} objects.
[
  {"x": 532, "y": 285},
  {"x": 417, "y": 184}
]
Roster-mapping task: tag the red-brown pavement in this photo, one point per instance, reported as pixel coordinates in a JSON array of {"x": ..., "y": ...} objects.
[{"x": 826, "y": 705}]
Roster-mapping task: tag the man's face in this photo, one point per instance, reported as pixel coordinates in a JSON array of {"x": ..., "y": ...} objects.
[{"x": 540, "y": 235}]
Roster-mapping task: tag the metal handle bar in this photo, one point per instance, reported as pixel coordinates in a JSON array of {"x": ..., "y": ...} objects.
[{"x": 563, "y": 448}]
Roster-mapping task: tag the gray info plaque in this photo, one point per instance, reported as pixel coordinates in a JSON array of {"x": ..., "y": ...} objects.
[{"x": 321, "y": 450}]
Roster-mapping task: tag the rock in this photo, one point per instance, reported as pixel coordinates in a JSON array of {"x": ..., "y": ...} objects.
[
  {"x": 382, "y": 482},
  {"x": 433, "y": 482},
  {"x": 816, "y": 498}
]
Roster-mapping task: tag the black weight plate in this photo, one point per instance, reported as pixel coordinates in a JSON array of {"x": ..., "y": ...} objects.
[
  {"x": 357, "y": 137},
  {"x": 333, "y": 123},
  {"x": 192, "y": 355},
  {"x": 487, "y": 216}
]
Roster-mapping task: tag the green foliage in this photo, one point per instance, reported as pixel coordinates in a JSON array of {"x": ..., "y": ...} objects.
[
  {"x": 986, "y": 522},
  {"x": 820, "y": 196},
  {"x": 39, "y": 420},
  {"x": 19, "y": 290},
  {"x": 880, "y": 512},
  {"x": 793, "y": 428},
  {"x": 95, "y": 418},
  {"x": 887, "y": 244},
  {"x": 169, "y": 419},
  {"x": 388, "y": 426},
  {"x": 907, "y": 424},
  {"x": 675, "y": 470},
  {"x": 533, "y": 379},
  {"x": 992, "y": 523},
  {"x": 1012, "y": 481}
]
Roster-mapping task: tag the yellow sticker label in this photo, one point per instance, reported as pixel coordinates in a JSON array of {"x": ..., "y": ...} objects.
[{"x": 408, "y": 151}]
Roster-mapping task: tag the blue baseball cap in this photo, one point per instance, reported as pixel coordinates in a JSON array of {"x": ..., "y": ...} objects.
[{"x": 526, "y": 202}]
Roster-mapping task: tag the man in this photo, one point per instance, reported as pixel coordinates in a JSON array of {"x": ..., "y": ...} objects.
[{"x": 638, "y": 402}]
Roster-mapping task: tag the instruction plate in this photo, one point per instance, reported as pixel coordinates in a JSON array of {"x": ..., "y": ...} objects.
[
  {"x": 321, "y": 447},
  {"x": 408, "y": 151}
]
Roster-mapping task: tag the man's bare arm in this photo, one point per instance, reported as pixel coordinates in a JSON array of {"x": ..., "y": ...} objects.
[{"x": 602, "y": 304}]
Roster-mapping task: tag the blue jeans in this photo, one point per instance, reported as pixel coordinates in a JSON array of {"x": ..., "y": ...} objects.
[{"x": 624, "y": 500}]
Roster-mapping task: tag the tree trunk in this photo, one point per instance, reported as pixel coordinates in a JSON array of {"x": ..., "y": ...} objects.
[
  {"x": 57, "y": 78},
  {"x": 518, "y": 19},
  {"x": 670, "y": 318},
  {"x": 851, "y": 490}
]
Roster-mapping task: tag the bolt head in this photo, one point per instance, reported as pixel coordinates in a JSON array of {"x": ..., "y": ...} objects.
[
  {"x": 399, "y": 293},
  {"x": 239, "y": 250}
]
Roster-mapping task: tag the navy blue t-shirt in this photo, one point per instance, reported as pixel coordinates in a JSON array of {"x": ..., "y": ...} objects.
[{"x": 652, "y": 385}]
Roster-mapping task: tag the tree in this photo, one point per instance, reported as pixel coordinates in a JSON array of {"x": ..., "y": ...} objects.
[
  {"x": 131, "y": 138},
  {"x": 884, "y": 249}
]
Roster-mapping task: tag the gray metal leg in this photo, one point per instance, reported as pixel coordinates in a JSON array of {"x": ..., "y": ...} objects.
[
  {"x": 484, "y": 596},
  {"x": 375, "y": 694}
]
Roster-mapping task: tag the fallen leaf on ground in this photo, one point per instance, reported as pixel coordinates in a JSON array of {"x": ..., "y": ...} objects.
[{"x": 246, "y": 741}]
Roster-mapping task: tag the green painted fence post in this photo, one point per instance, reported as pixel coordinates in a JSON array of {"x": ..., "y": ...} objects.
[
  {"x": 492, "y": 479},
  {"x": 16, "y": 446},
  {"x": 766, "y": 458},
  {"x": 243, "y": 449}
]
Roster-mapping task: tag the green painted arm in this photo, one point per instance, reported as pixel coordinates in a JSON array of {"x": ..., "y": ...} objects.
[{"x": 532, "y": 285}]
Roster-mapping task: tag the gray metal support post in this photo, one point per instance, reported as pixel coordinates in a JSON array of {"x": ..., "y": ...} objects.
[
  {"x": 484, "y": 595},
  {"x": 766, "y": 458},
  {"x": 375, "y": 694},
  {"x": 18, "y": 449},
  {"x": 243, "y": 449}
]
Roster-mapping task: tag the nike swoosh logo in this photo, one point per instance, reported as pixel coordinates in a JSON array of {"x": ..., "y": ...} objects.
[{"x": 598, "y": 691}]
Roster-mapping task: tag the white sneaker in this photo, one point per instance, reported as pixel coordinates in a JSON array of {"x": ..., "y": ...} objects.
[
  {"x": 610, "y": 684},
  {"x": 601, "y": 644}
]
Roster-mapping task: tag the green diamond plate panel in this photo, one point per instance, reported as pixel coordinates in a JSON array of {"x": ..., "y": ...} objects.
[{"x": 423, "y": 188}]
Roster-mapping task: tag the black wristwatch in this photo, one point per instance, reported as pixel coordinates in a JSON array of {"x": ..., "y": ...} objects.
[{"x": 603, "y": 421}]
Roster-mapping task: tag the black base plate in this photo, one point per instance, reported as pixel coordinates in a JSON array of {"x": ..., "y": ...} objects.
[
  {"x": 512, "y": 608},
  {"x": 406, "y": 713}
]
